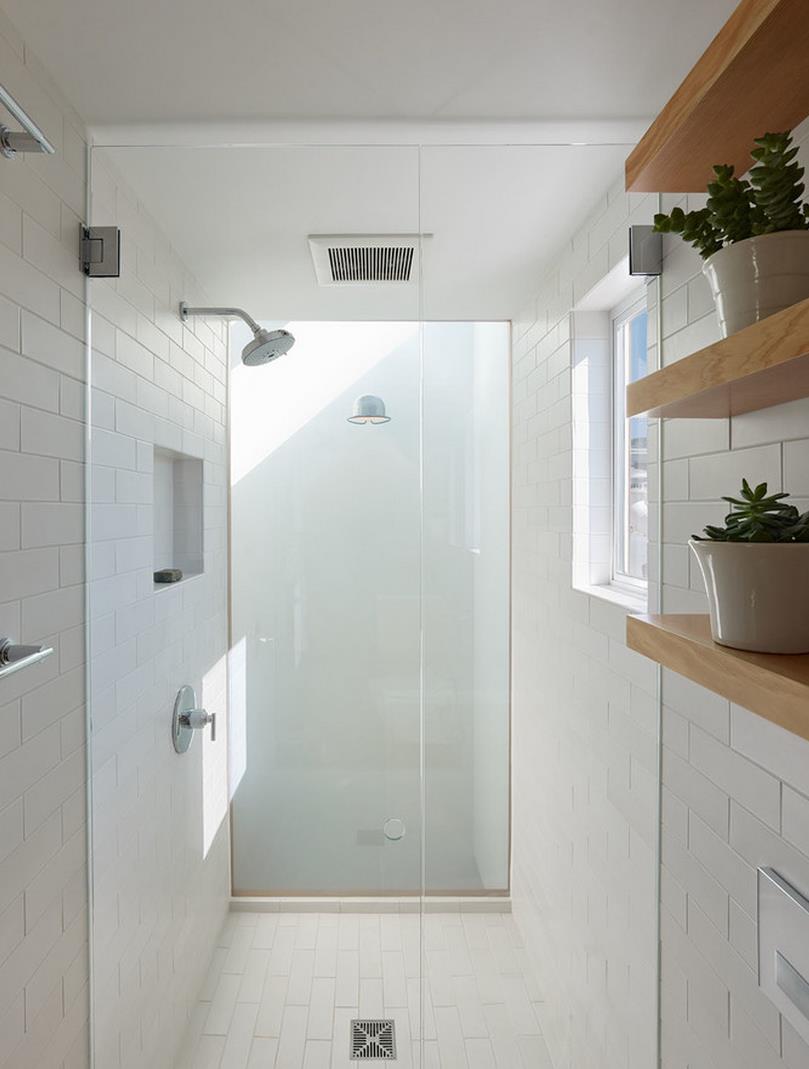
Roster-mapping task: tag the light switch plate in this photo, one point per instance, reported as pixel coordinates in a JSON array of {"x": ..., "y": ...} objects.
[{"x": 783, "y": 948}]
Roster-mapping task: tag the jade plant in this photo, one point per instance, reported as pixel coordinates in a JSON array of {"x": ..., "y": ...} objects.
[
  {"x": 759, "y": 517},
  {"x": 770, "y": 200}
]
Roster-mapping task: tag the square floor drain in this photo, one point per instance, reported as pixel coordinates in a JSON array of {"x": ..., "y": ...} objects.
[{"x": 373, "y": 1039}]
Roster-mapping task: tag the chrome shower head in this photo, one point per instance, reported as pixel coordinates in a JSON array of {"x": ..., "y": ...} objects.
[{"x": 266, "y": 345}]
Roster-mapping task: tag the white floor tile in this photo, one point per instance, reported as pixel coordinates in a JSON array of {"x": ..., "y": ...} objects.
[
  {"x": 347, "y": 991},
  {"x": 348, "y": 937},
  {"x": 404, "y": 1041},
  {"x": 283, "y": 948},
  {"x": 306, "y": 932},
  {"x": 370, "y": 947},
  {"x": 208, "y": 1054},
  {"x": 340, "y": 1046},
  {"x": 535, "y": 1054},
  {"x": 470, "y": 1008},
  {"x": 503, "y": 951},
  {"x": 372, "y": 1002},
  {"x": 326, "y": 950},
  {"x": 317, "y": 1054},
  {"x": 271, "y": 1007},
  {"x": 452, "y": 1049},
  {"x": 240, "y": 943},
  {"x": 479, "y": 1054},
  {"x": 425, "y": 1055},
  {"x": 394, "y": 983},
  {"x": 321, "y": 1009},
  {"x": 503, "y": 1039},
  {"x": 264, "y": 931},
  {"x": 300, "y": 977},
  {"x": 440, "y": 973},
  {"x": 292, "y": 1041},
  {"x": 520, "y": 1011},
  {"x": 420, "y": 1009},
  {"x": 251, "y": 987},
  {"x": 240, "y": 1037},
  {"x": 489, "y": 980},
  {"x": 391, "y": 931},
  {"x": 262, "y": 1053},
  {"x": 282, "y": 989},
  {"x": 222, "y": 1005}
]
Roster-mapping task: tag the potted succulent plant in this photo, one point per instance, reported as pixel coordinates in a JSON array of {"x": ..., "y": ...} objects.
[
  {"x": 753, "y": 235},
  {"x": 756, "y": 573}
]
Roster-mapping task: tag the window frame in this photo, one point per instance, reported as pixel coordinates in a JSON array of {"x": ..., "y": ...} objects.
[{"x": 621, "y": 315}]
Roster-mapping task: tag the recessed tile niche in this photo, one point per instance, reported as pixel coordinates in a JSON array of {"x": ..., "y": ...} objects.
[{"x": 177, "y": 514}]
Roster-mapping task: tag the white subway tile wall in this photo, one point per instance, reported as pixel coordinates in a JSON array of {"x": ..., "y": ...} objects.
[
  {"x": 44, "y": 998},
  {"x": 735, "y": 789},
  {"x": 161, "y": 863},
  {"x": 585, "y": 723},
  {"x": 160, "y": 835}
]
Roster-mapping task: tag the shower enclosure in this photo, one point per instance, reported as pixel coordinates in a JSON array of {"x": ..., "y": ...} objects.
[
  {"x": 370, "y": 603},
  {"x": 339, "y": 517}
]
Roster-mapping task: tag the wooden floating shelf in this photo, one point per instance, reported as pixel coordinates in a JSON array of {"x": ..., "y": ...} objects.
[
  {"x": 763, "y": 365},
  {"x": 774, "y": 686},
  {"x": 753, "y": 78}
]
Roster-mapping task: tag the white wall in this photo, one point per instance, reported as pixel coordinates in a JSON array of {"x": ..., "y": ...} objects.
[
  {"x": 584, "y": 714},
  {"x": 158, "y": 902},
  {"x": 735, "y": 789},
  {"x": 43, "y": 835},
  {"x": 160, "y": 847}
]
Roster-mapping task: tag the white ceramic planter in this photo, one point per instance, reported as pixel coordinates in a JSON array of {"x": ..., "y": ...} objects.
[
  {"x": 757, "y": 277},
  {"x": 758, "y": 594}
]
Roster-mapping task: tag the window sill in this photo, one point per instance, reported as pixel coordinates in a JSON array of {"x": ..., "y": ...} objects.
[{"x": 616, "y": 595}]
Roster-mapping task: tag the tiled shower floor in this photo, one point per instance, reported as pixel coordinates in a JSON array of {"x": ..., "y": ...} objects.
[{"x": 283, "y": 988}]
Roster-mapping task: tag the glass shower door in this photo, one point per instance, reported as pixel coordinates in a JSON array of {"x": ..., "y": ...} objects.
[
  {"x": 326, "y": 603},
  {"x": 297, "y": 620},
  {"x": 326, "y": 557}
]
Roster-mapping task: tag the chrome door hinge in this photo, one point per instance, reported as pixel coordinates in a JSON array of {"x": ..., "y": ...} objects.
[
  {"x": 101, "y": 251},
  {"x": 645, "y": 251}
]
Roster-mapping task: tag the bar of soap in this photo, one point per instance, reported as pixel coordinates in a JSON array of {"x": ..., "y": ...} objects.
[{"x": 168, "y": 575}]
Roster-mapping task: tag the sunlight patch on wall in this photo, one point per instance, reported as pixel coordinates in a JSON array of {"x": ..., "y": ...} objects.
[
  {"x": 214, "y": 754},
  {"x": 237, "y": 723},
  {"x": 275, "y": 401}
]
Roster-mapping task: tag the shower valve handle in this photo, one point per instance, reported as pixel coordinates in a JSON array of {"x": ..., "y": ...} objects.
[{"x": 199, "y": 718}]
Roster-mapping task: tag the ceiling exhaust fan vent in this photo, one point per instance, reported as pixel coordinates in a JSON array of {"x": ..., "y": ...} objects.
[
  {"x": 383, "y": 263},
  {"x": 364, "y": 259}
]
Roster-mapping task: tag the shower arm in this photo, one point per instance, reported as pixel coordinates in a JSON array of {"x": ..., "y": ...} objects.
[
  {"x": 31, "y": 139},
  {"x": 226, "y": 313}
]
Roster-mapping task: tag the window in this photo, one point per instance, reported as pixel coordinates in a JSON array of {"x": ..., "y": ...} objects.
[{"x": 630, "y": 507}]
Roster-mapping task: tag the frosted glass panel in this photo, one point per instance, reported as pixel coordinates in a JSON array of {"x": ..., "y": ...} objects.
[
  {"x": 326, "y": 596},
  {"x": 370, "y": 588},
  {"x": 466, "y": 606}
]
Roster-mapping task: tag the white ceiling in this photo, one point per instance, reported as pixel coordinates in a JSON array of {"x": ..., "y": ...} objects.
[
  {"x": 169, "y": 60},
  {"x": 240, "y": 218},
  {"x": 166, "y": 71}
]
